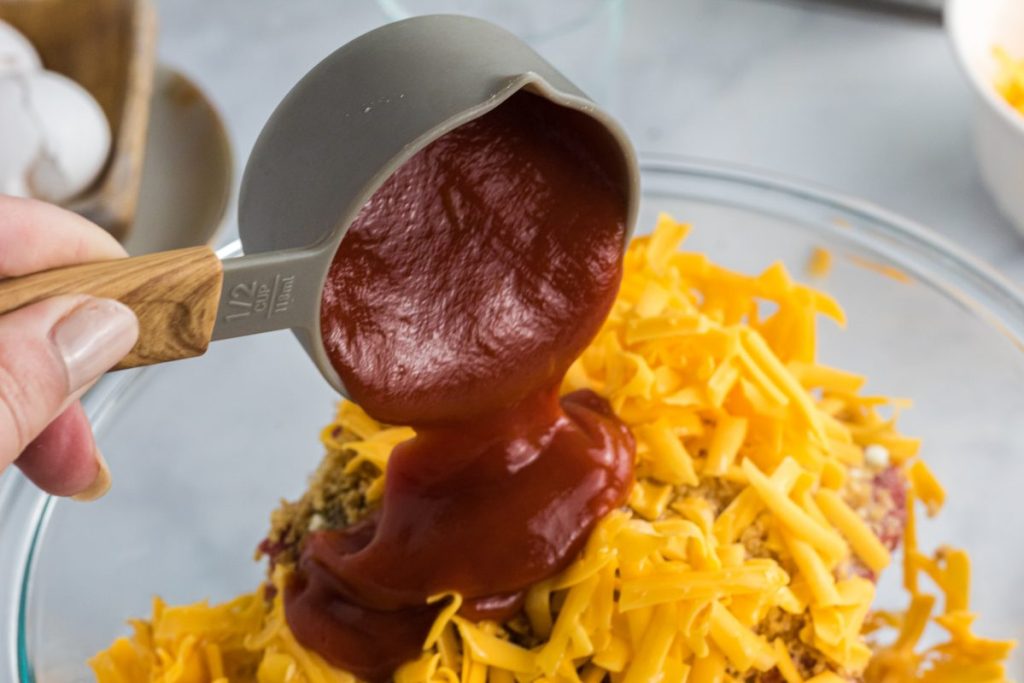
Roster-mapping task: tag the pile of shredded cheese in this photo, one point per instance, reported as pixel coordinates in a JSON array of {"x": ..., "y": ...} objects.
[
  {"x": 1010, "y": 78},
  {"x": 739, "y": 557}
]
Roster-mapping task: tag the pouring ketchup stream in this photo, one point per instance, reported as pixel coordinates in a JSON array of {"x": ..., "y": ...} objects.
[{"x": 457, "y": 300}]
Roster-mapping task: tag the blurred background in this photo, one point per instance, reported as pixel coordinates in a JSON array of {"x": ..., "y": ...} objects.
[
  {"x": 865, "y": 98},
  {"x": 862, "y": 96}
]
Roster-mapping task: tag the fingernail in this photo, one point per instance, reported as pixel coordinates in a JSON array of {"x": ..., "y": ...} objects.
[
  {"x": 92, "y": 338},
  {"x": 100, "y": 484}
]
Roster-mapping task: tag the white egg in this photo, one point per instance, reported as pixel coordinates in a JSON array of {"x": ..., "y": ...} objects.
[
  {"x": 16, "y": 52},
  {"x": 54, "y": 138},
  {"x": 20, "y": 139},
  {"x": 75, "y": 133}
]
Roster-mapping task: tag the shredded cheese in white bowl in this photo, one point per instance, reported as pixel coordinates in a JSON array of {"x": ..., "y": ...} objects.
[{"x": 978, "y": 29}]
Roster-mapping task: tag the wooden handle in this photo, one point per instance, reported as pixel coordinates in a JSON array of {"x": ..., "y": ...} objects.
[{"x": 174, "y": 293}]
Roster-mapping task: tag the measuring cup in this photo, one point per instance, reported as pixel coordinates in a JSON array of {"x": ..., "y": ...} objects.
[{"x": 334, "y": 139}]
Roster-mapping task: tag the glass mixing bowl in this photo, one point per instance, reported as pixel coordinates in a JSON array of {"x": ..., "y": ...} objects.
[{"x": 202, "y": 450}]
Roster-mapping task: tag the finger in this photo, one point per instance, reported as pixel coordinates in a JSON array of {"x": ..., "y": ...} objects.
[
  {"x": 37, "y": 236},
  {"x": 64, "y": 459},
  {"x": 49, "y": 351}
]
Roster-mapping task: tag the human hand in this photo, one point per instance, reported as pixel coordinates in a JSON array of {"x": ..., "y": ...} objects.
[{"x": 52, "y": 351}]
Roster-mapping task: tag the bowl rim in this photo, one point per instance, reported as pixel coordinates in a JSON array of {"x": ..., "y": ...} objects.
[
  {"x": 952, "y": 14},
  {"x": 994, "y": 295},
  {"x": 952, "y": 259}
]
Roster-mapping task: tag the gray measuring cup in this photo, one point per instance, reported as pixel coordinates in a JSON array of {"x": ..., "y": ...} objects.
[{"x": 334, "y": 139}]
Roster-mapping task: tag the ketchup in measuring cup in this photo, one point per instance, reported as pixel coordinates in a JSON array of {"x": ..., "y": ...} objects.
[{"x": 457, "y": 300}]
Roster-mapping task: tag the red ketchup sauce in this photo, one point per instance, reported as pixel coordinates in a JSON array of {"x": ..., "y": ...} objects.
[{"x": 457, "y": 300}]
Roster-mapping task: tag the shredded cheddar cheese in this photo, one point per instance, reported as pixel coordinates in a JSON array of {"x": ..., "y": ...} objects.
[
  {"x": 819, "y": 264},
  {"x": 746, "y": 551},
  {"x": 891, "y": 272},
  {"x": 1010, "y": 78}
]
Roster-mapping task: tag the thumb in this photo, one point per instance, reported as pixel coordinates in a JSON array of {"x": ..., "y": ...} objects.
[{"x": 49, "y": 353}]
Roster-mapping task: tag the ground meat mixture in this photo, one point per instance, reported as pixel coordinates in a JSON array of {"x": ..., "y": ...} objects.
[{"x": 336, "y": 499}]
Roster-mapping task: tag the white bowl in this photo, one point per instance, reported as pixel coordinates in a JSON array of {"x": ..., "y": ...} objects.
[{"x": 974, "y": 27}]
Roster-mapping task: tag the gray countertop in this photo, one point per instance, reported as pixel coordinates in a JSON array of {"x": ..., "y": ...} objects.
[{"x": 867, "y": 103}]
